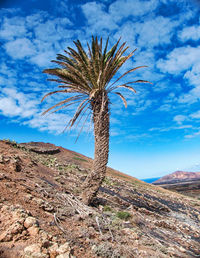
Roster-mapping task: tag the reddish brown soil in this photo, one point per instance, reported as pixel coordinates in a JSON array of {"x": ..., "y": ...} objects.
[{"x": 39, "y": 205}]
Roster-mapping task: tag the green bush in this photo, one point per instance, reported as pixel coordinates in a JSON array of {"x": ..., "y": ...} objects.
[
  {"x": 123, "y": 215},
  {"x": 108, "y": 181},
  {"x": 72, "y": 166},
  {"x": 107, "y": 208}
]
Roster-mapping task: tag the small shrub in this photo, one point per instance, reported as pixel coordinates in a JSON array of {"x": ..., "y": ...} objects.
[
  {"x": 108, "y": 181},
  {"x": 11, "y": 142},
  {"x": 106, "y": 250},
  {"x": 116, "y": 223},
  {"x": 123, "y": 215},
  {"x": 107, "y": 208},
  {"x": 72, "y": 166}
]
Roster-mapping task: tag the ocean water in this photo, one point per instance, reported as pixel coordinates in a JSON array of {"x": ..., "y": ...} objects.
[{"x": 150, "y": 180}]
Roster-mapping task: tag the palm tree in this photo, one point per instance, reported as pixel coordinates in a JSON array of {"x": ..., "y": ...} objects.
[{"x": 87, "y": 77}]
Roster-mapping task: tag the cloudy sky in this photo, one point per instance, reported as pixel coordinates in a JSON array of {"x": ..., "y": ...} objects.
[{"x": 159, "y": 132}]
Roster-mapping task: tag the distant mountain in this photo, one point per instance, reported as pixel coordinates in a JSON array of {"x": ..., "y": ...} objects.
[{"x": 178, "y": 176}]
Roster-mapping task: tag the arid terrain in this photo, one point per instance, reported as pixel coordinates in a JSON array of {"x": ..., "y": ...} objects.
[
  {"x": 187, "y": 183},
  {"x": 41, "y": 214},
  {"x": 178, "y": 176}
]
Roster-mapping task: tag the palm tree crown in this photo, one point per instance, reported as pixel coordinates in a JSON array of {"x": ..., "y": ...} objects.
[{"x": 86, "y": 75}]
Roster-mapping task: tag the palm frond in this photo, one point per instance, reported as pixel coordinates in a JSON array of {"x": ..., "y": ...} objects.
[
  {"x": 78, "y": 111},
  {"x": 129, "y": 71},
  {"x": 122, "y": 97},
  {"x": 82, "y": 65},
  {"x": 115, "y": 66},
  {"x": 53, "y": 92},
  {"x": 68, "y": 77},
  {"x": 82, "y": 77},
  {"x": 87, "y": 75},
  {"x": 82, "y": 52},
  {"x": 82, "y": 125},
  {"x": 125, "y": 86},
  {"x": 66, "y": 59},
  {"x": 104, "y": 55},
  {"x": 64, "y": 106},
  {"x": 121, "y": 61},
  {"x": 78, "y": 97},
  {"x": 141, "y": 81}
]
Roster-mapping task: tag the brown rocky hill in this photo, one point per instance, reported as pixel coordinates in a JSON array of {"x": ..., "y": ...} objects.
[
  {"x": 41, "y": 214},
  {"x": 178, "y": 176},
  {"x": 187, "y": 183}
]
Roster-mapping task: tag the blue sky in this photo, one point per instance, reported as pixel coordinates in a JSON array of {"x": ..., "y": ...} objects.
[{"x": 159, "y": 132}]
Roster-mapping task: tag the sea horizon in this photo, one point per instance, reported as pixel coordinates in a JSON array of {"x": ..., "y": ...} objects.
[{"x": 150, "y": 180}]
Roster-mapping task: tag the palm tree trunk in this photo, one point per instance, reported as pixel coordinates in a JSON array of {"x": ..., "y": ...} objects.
[{"x": 94, "y": 180}]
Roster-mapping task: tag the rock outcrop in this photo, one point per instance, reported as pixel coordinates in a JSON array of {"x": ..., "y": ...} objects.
[{"x": 178, "y": 176}]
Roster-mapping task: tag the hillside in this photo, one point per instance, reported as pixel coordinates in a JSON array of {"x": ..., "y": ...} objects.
[
  {"x": 187, "y": 183},
  {"x": 42, "y": 216},
  {"x": 178, "y": 176}
]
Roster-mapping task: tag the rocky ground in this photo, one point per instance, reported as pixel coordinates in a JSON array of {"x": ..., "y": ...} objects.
[
  {"x": 42, "y": 216},
  {"x": 187, "y": 183},
  {"x": 188, "y": 188}
]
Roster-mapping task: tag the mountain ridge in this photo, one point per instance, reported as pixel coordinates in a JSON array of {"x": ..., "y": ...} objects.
[{"x": 178, "y": 176}]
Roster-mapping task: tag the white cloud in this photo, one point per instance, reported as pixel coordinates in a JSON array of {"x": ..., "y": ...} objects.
[
  {"x": 170, "y": 128},
  {"x": 37, "y": 36},
  {"x": 13, "y": 27},
  {"x": 144, "y": 33},
  {"x": 25, "y": 108},
  {"x": 52, "y": 30},
  {"x": 190, "y": 33},
  {"x": 179, "y": 60},
  {"x": 147, "y": 58},
  {"x": 141, "y": 106},
  {"x": 14, "y": 103},
  {"x": 20, "y": 48},
  {"x": 43, "y": 59},
  {"x": 9, "y": 107},
  {"x": 191, "y": 97},
  {"x": 124, "y": 8},
  {"x": 54, "y": 123},
  {"x": 165, "y": 107},
  {"x": 193, "y": 75},
  {"x": 98, "y": 18},
  {"x": 196, "y": 115},
  {"x": 134, "y": 137},
  {"x": 179, "y": 119},
  {"x": 157, "y": 31},
  {"x": 35, "y": 19},
  {"x": 5, "y": 70},
  {"x": 128, "y": 33},
  {"x": 189, "y": 136}
]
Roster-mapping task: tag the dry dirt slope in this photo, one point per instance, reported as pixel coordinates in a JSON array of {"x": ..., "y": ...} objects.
[{"x": 41, "y": 215}]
